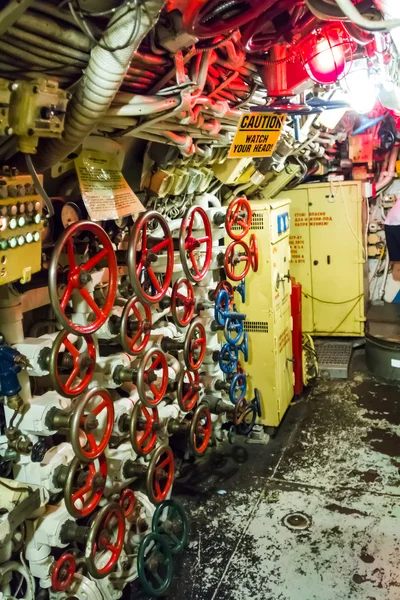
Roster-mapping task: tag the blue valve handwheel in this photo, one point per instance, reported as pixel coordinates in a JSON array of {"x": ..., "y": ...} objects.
[
  {"x": 241, "y": 289},
  {"x": 234, "y": 327},
  {"x": 244, "y": 347},
  {"x": 221, "y": 308},
  {"x": 228, "y": 358},
  {"x": 238, "y": 387}
]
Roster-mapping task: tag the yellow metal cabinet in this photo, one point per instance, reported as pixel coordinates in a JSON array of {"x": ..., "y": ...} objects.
[
  {"x": 328, "y": 257},
  {"x": 267, "y": 307}
]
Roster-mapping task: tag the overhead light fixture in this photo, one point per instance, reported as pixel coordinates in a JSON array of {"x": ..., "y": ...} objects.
[
  {"x": 360, "y": 87},
  {"x": 327, "y": 54}
]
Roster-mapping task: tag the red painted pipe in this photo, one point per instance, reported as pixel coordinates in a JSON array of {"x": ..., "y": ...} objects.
[{"x": 297, "y": 337}]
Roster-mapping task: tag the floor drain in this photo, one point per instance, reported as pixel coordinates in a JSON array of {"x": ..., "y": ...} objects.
[{"x": 297, "y": 521}]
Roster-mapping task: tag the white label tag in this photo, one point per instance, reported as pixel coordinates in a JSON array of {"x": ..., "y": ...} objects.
[
  {"x": 395, "y": 363},
  {"x": 105, "y": 192}
]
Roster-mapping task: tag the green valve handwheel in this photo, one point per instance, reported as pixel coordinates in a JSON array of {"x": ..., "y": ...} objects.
[
  {"x": 154, "y": 563},
  {"x": 170, "y": 520}
]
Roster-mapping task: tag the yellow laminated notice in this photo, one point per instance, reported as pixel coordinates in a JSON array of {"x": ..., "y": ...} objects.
[
  {"x": 105, "y": 192},
  {"x": 257, "y": 134}
]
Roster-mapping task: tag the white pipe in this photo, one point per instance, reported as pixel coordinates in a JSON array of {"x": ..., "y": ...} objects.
[
  {"x": 101, "y": 81},
  {"x": 391, "y": 10},
  {"x": 131, "y": 105}
]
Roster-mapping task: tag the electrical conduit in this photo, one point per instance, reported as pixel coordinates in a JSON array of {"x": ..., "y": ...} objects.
[{"x": 102, "y": 79}]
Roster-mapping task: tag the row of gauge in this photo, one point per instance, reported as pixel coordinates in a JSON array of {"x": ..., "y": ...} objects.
[{"x": 143, "y": 372}]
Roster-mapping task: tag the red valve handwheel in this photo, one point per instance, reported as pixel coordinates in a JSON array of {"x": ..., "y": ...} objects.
[
  {"x": 78, "y": 276},
  {"x": 200, "y": 430},
  {"x": 77, "y": 502},
  {"x": 142, "y": 430},
  {"x": 254, "y": 252},
  {"x": 182, "y": 302},
  {"x": 151, "y": 391},
  {"x": 86, "y": 418},
  {"x": 188, "y": 391},
  {"x": 136, "y": 342},
  {"x": 237, "y": 253},
  {"x": 160, "y": 474},
  {"x": 77, "y": 366},
  {"x": 189, "y": 244},
  {"x": 141, "y": 273},
  {"x": 238, "y": 215},
  {"x": 225, "y": 285},
  {"x": 105, "y": 540},
  {"x": 127, "y": 501},
  {"x": 208, "y": 18},
  {"x": 63, "y": 572},
  {"x": 195, "y": 345}
]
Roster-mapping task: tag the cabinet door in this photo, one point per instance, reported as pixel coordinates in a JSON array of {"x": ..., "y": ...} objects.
[
  {"x": 336, "y": 236},
  {"x": 284, "y": 363}
]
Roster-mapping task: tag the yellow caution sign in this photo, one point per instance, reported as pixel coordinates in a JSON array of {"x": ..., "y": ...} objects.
[{"x": 257, "y": 134}]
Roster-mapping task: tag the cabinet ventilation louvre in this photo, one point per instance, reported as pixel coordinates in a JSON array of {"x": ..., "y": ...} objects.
[{"x": 256, "y": 326}]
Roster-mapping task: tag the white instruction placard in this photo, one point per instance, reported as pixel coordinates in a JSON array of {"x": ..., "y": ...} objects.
[{"x": 105, "y": 191}]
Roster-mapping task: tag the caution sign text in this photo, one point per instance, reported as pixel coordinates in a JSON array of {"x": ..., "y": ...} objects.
[{"x": 257, "y": 134}]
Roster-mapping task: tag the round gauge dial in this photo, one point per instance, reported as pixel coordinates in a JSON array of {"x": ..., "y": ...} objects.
[{"x": 70, "y": 213}]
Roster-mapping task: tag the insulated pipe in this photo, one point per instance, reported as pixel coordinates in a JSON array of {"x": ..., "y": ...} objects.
[
  {"x": 356, "y": 17},
  {"x": 52, "y": 30},
  {"x": 391, "y": 10},
  {"x": 32, "y": 59},
  {"x": 142, "y": 108},
  {"x": 50, "y": 55},
  {"x": 41, "y": 42},
  {"x": 101, "y": 81}
]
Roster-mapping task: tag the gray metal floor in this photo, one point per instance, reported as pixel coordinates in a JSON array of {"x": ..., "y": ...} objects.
[{"x": 336, "y": 458}]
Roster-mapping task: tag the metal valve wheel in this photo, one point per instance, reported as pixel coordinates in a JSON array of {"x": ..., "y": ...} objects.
[
  {"x": 151, "y": 386},
  {"x": 85, "y": 417},
  {"x": 135, "y": 326},
  {"x": 89, "y": 482},
  {"x": 208, "y": 18},
  {"x": 71, "y": 369},
  {"x": 189, "y": 245},
  {"x": 188, "y": 391},
  {"x": 105, "y": 540},
  {"x": 143, "y": 278},
  {"x": 253, "y": 245},
  {"x": 170, "y": 519},
  {"x": 195, "y": 345},
  {"x": 63, "y": 572},
  {"x": 127, "y": 501},
  {"x": 238, "y": 387},
  {"x": 182, "y": 302},
  {"x": 200, "y": 430},
  {"x": 221, "y": 308},
  {"x": 237, "y": 255},
  {"x": 154, "y": 564},
  {"x": 239, "y": 411},
  {"x": 225, "y": 285},
  {"x": 234, "y": 327},
  {"x": 238, "y": 218},
  {"x": 143, "y": 428},
  {"x": 160, "y": 474},
  {"x": 228, "y": 358},
  {"x": 79, "y": 275},
  {"x": 244, "y": 347}
]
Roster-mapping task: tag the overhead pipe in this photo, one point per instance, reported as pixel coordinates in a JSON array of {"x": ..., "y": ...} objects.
[
  {"x": 391, "y": 10},
  {"x": 101, "y": 81}
]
